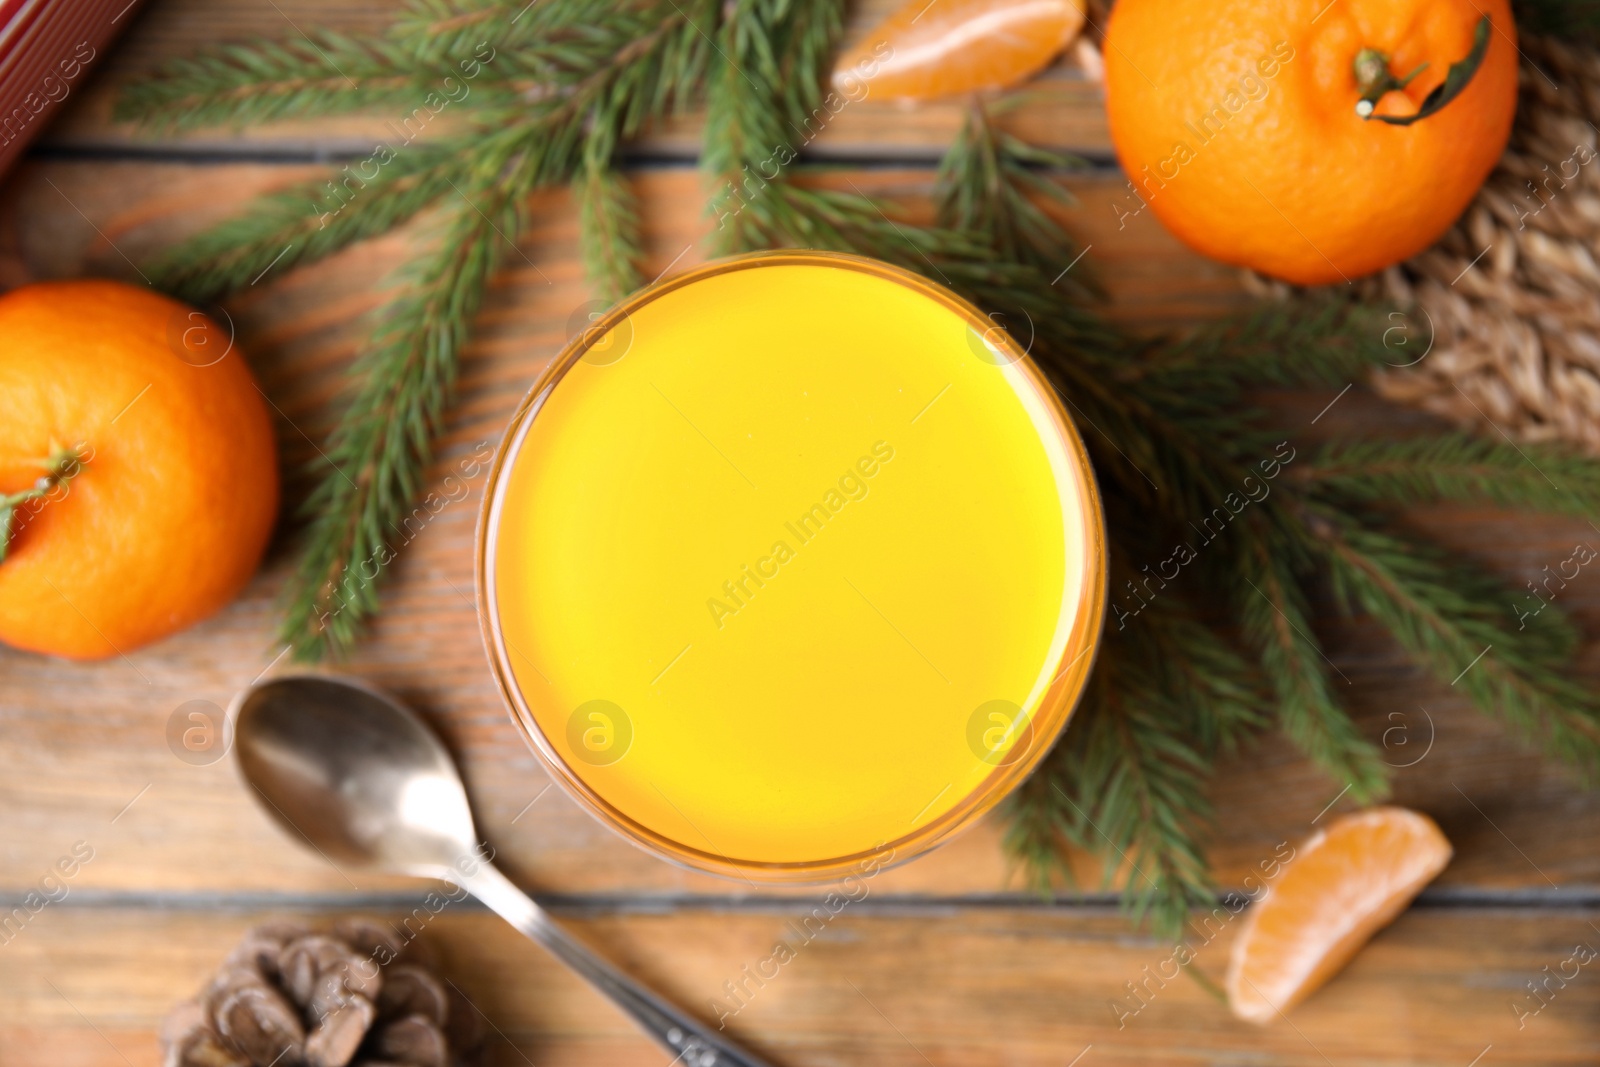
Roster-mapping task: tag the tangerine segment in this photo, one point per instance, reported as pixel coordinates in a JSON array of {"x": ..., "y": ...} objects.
[
  {"x": 1346, "y": 883},
  {"x": 933, "y": 48},
  {"x": 1236, "y": 123}
]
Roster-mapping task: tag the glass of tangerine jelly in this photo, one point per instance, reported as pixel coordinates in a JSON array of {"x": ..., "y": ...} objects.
[{"x": 790, "y": 564}]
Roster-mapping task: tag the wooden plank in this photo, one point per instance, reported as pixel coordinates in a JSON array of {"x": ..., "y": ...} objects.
[
  {"x": 1063, "y": 108},
  {"x": 902, "y": 988},
  {"x": 83, "y": 742}
]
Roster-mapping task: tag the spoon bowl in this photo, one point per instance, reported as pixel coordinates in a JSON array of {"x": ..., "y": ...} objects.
[{"x": 354, "y": 773}]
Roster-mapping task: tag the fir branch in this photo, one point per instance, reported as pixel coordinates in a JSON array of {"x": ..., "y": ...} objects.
[
  {"x": 989, "y": 186},
  {"x": 1276, "y": 624},
  {"x": 1040, "y": 822},
  {"x": 620, "y": 84},
  {"x": 1122, "y": 785},
  {"x": 657, "y": 74},
  {"x": 608, "y": 227},
  {"x": 1186, "y": 420},
  {"x": 1221, "y": 692},
  {"x": 263, "y": 81},
  {"x": 785, "y": 213},
  {"x": 631, "y": 65},
  {"x": 450, "y": 27},
  {"x": 307, "y": 222},
  {"x": 1458, "y": 468},
  {"x": 1312, "y": 341},
  {"x": 1445, "y": 615},
  {"x": 1128, "y": 780},
  {"x": 1218, "y": 694},
  {"x": 1139, "y": 794},
  {"x": 760, "y": 92},
  {"x": 1173, "y": 427},
  {"x": 497, "y": 63},
  {"x": 599, "y": 104},
  {"x": 384, "y": 438},
  {"x": 443, "y": 29},
  {"x": 1159, "y": 438}
]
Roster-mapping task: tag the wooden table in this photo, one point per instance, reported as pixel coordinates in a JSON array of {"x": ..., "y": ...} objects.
[{"x": 947, "y": 961}]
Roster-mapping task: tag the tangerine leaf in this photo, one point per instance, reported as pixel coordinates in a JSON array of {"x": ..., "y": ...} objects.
[{"x": 1455, "y": 81}]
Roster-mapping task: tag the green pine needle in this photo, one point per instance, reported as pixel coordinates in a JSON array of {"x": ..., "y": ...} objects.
[
  {"x": 1141, "y": 789},
  {"x": 1315, "y": 341},
  {"x": 991, "y": 183},
  {"x": 1451, "y": 619},
  {"x": 360, "y": 508},
  {"x": 1277, "y": 626},
  {"x": 307, "y": 222},
  {"x": 608, "y": 226},
  {"x": 1458, "y": 468},
  {"x": 264, "y": 81}
]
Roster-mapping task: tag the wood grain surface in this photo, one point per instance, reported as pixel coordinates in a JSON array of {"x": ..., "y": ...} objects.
[
  {"x": 948, "y": 961},
  {"x": 895, "y": 986}
]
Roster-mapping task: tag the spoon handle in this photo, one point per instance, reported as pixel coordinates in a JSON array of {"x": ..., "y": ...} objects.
[{"x": 680, "y": 1033}]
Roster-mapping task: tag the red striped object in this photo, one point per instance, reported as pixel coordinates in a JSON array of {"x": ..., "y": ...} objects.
[{"x": 46, "y": 48}]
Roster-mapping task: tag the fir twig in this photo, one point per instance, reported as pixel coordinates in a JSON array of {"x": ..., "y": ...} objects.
[
  {"x": 989, "y": 181},
  {"x": 1276, "y": 623},
  {"x": 760, "y": 94},
  {"x": 1128, "y": 780},
  {"x": 1142, "y": 786},
  {"x": 1458, "y": 468},
  {"x": 1445, "y": 616},
  {"x": 608, "y": 225},
  {"x": 1311, "y": 342},
  {"x": 384, "y": 439},
  {"x": 264, "y": 81},
  {"x": 305, "y": 223}
]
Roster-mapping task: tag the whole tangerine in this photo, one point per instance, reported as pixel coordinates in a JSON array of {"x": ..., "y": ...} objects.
[
  {"x": 137, "y": 468},
  {"x": 1298, "y": 137}
]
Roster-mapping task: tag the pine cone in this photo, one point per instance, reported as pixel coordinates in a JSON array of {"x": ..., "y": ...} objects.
[{"x": 288, "y": 996}]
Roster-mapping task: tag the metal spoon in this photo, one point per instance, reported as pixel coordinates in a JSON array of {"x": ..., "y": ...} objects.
[{"x": 359, "y": 777}]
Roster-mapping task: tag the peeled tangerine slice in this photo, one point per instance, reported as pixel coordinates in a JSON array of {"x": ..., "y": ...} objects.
[
  {"x": 933, "y": 48},
  {"x": 1347, "y": 882}
]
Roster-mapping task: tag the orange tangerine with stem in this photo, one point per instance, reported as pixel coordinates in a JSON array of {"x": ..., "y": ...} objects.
[{"x": 1313, "y": 141}]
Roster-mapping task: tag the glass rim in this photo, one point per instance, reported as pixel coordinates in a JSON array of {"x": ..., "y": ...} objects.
[{"x": 1049, "y": 718}]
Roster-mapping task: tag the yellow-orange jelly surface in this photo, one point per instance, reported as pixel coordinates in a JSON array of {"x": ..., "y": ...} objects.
[{"x": 786, "y": 565}]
